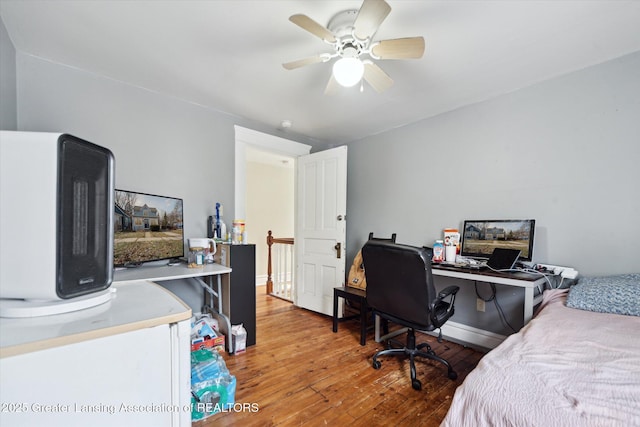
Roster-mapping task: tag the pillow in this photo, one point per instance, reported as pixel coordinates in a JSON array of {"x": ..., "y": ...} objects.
[{"x": 619, "y": 294}]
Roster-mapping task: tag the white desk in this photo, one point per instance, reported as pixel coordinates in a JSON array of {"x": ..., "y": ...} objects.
[
  {"x": 528, "y": 281},
  {"x": 182, "y": 271},
  {"x": 85, "y": 368}
]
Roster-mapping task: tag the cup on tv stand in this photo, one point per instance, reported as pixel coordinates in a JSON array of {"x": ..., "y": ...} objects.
[{"x": 450, "y": 253}]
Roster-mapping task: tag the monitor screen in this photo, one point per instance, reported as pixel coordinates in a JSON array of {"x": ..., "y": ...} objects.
[
  {"x": 147, "y": 228},
  {"x": 480, "y": 237}
]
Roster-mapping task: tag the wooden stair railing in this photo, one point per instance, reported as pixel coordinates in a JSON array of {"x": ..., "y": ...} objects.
[{"x": 280, "y": 276}]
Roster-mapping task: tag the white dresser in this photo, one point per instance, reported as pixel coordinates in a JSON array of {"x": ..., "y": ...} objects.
[{"x": 125, "y": 362}]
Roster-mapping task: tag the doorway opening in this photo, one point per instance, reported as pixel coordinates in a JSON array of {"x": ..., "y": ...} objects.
[
  {"x": 270, "y": 204},
  {"x": 259, "y": 159}
]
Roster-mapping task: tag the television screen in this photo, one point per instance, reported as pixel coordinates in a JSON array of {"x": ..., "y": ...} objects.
[
  {"x": 146, "y": 228},
  {"x": 480, "y": 237}
]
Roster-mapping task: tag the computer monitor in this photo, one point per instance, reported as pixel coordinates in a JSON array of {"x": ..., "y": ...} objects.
[
  {"x": 147, "y": 227},
  {"x": 481, "y": 237}
]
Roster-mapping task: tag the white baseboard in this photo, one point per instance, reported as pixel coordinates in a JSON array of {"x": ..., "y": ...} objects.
[{"x": 471, "y": 335}]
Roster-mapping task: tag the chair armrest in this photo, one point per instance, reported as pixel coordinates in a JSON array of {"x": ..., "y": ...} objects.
[
  {"x": 438, "y": 316},
  {"x": 451, "y": 290}
]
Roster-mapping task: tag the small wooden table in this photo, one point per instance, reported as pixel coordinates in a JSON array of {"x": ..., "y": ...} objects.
[{"x": 353, "y": 295}]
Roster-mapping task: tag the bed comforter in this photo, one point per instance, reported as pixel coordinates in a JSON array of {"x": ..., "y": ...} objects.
[{"x": 567, "y": 367}]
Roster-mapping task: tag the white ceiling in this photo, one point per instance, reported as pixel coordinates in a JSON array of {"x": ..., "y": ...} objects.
[{"x": 227, "y": 55}]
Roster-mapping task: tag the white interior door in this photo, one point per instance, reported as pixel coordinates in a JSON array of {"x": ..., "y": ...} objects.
[{"x": 321, "y": 205}]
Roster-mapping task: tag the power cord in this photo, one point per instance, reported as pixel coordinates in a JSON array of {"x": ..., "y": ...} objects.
[
  {"x": 526, "y": 270},
  {"x": 494, "y": 298}
]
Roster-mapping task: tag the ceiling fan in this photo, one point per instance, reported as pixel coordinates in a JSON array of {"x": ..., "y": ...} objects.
[{"x": 350, "y": 34}]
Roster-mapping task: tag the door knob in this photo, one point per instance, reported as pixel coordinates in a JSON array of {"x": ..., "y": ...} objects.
[
  {"x": 341, "y": 217},
  {"x": 338, "y": 248}
]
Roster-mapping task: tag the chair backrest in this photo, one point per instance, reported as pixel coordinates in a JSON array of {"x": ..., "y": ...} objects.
[
  {"x": 391, "y": 239},
  {"x": 355, "y": 276},
  {"x": 399, "y": 281}
]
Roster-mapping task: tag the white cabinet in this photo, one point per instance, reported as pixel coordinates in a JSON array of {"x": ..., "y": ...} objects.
[{"x": 125, "y": 362}]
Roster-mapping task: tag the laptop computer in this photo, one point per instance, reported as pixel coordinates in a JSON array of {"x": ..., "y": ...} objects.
[
  {"x": 500, "y": 259},
  {"x": 503, "y": 259}
]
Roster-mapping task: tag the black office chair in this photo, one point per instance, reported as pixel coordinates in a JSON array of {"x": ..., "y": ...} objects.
[{"x": 400, "y": 289}]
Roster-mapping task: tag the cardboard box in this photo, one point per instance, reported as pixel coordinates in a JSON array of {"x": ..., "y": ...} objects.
[
  {"x": 239, "y": 337},
  {"x": 216, "y": 343},
  {"x": 452, "y": 237}
]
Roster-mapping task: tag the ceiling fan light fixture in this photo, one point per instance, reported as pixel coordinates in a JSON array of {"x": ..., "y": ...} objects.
[
  {"x": 351, "y": 35},
  {"x": 348, "y": 71}
]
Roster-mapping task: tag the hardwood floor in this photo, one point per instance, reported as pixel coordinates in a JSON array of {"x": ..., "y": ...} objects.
[{"x": 301, "y": 373}]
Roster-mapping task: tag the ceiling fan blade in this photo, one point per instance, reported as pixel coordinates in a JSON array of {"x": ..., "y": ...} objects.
[
  {"x": 376, "y": 77},
  {"x": 369, "y": 18},
  {"x": 308, "y": 24},
  {"x": 332, "y": 86},
  {"x": 405, "y": 48},
  {"x": 304, "y": 61}
]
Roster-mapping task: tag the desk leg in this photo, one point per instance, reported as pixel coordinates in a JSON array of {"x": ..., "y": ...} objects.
[
  {"x": 364, "y": 311},
  {"x": 335, "y": 311},
  {"x": 219, "y": 293}
]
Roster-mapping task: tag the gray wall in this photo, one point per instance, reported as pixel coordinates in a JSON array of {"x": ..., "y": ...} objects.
[
  {"x": 564, "y": 152},
  {"x": 162, "y": 145},
  {"x": 8, "y": 109}
]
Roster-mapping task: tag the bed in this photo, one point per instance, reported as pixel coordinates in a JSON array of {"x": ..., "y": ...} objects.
[{"x": 577, "y": 363}]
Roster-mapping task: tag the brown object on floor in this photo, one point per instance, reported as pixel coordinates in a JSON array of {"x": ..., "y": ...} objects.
[{"x": 301, "y": 373}]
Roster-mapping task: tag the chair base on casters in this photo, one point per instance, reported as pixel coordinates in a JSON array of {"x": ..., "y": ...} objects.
[{"x": 412, "y": 351}]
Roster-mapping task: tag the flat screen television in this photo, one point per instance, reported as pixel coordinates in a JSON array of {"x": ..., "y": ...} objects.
[
  {"x": 480, "y": 237},
  {"x": 146, "y": 228}
]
